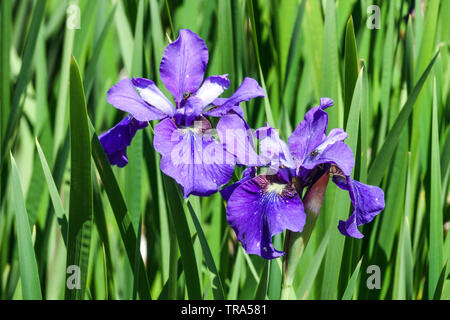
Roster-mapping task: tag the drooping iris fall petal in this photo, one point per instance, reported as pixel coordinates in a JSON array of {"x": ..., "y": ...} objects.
[
  {"x": 260, "y": 208},
  {"x": 194, "y": 159},
  {"x": 368, "y": 201},
  {"x": 116, "y": 140},
  {"x": 247, "y": 174}
]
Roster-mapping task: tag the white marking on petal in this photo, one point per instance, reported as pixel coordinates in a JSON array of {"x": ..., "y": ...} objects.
[
  {"x": 157, "y": 99},
  {"x": 275, "y": 188},
  {"x": 210, "y": 90}
]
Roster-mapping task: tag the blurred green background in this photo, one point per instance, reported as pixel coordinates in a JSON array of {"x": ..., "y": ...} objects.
[{"x": 390, "y": 96}]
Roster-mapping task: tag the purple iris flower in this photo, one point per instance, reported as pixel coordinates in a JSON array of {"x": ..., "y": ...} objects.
[
  {"x": 261, "y": 206},
  {"x": 313, "y": 150},
  {"x": 190, "y": 153}
]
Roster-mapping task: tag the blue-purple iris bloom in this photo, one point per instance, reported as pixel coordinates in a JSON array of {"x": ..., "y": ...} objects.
[
  {"x": 261, "y": 206},
  {"x": 190, "y": 154}
]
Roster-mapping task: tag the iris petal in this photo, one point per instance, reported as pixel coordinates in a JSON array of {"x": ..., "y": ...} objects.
[
  {"x": 183, "y": 64},
  {"x": 311, "y": 132},
  {"x": 190, "y": 111},
  {"x": 237, "y": 137},
  {"x": 368, "y": 201},
  {"x": 308, "y": 134},
  {"x": 153, "y": 96},
  {"x": 248, "y": 89},
  {"x": 124, "y": 97},
  {"x": 194, "y": 159},
  {"x": 212, "y": 88},
  {"x": 116, "y": 140},
  {"x": 338, "y": 154},
  {"x": 261, "y": 208},
  {"x": 220, "y": 101},
  {"x": 273, "y": 149},
  {"x": 247, "y": 174}
]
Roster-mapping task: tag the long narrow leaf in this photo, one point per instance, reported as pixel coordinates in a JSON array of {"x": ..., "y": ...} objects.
[
  {"x": 386, "y": 152},
  {"x": 56, "y": 200},
  {"x": 217, "y": 283},
  {"x": 81, "y": 205},
  {"x": 184, "y": 239},
  {"x": 31, "y": 288}
]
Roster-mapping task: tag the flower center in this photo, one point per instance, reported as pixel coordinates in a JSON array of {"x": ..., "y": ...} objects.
[
  {"x": 192, "y": 129},
  {"x": 334, "y": 170},
  {"x": 186, "y": 95},
  {"x": 275, "y": 188}
]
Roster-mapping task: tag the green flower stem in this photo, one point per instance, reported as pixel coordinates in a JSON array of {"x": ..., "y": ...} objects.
[
  {"x": 173, "y": 263},
  {"x": 295, "y": 243}
]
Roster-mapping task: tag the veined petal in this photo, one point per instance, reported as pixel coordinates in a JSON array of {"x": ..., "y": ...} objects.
[
  {"x": 247, "y": 174},
  {"x": 326, "y": 103},
  {"x": 212, "y": 88},
  {"x": 308, "y": 134},
  {"x": 349, "y": 227},
  {"x": 261, "y": 208},
  {"x": 335, "y": 135},
  {"x": 124, "y": 97},
  {"x": 337, "y": 153},
  {"x": 368, "y": 201},
  {"x": 220, "y": 101},
  {"x": 116, "y": 140},
  {"x": 183, "y": 64},
  {"x": 274, "y": 150},
  {"x": 153, "y": 96},
  {"x": 194, "y": 159},
  {"x": 311, "y": 132},
  {"x": 248, "y": 89},
  {"x": 237, "y": 137}
]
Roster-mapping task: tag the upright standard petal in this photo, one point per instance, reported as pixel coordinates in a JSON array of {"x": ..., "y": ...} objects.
[
  {"x": 261, "y": 208},
  {"x": 124, "y": 97},
  {"x": 308, "y": 134},
  {"x": 311, "y": 132},
  {"x": 248, "y": 89},
  {"x": 193, "y": 158},
  {"x": 368, "y": 201},
  {"x": 116, "y": 140},
  {"x": 183, "y": 64}
]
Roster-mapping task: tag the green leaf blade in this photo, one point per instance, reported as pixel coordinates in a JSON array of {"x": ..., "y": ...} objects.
[
  {"x": 31, "y": 288},
  {"x": 81, "y": 197}
]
